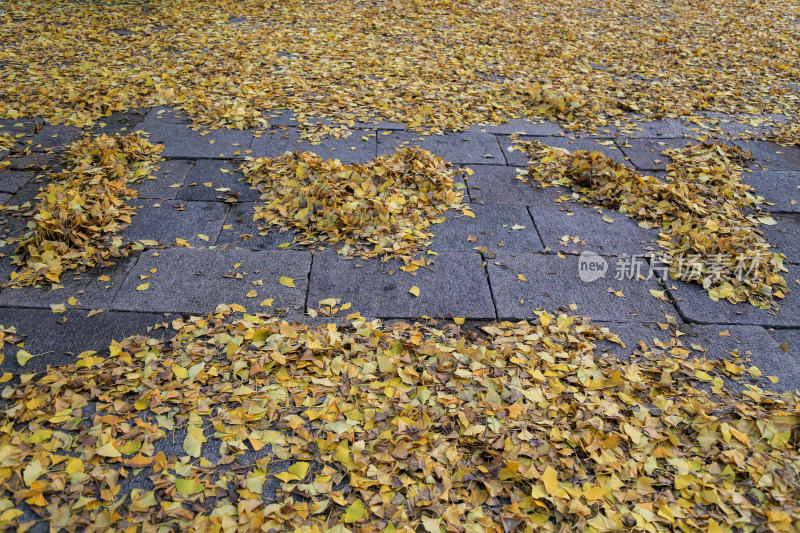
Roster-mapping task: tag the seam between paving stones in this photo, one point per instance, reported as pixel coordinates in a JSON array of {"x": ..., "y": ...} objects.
[
  {"x": 536, "y": 227},
  {"x": 484, "y": 264},
  {"x": 308, "y": 281}
]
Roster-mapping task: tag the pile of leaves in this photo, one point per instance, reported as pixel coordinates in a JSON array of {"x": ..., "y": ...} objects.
[
  {"x": 382, "y": 208},
  {"x": 706, "y": 215},
  {"x": 430, "y": 64},
  {"x": 398, "y": 427},
  {"x": 78, "y": 215},
  {"x": 6, "y": 141},
  {"x": 786, "y": 135}
]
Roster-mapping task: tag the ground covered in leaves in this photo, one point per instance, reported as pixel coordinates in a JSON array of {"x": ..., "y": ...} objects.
[
  {"x": 432, "y": 65},
  {"x": 398, "y": 426},
  {"x": 384, "y": 208},
  {"x": 707, "y": 216}
]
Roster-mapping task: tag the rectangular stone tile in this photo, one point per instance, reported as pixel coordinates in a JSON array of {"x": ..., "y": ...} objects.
[
  {"x": 11, "y": 181},
  {"x": 523, "y": 126},
  {"x": 194, "y": 280},
  {"x": 91, "y": 292},
  {"x": 166, "y": 220},
  {"x": 753, "y": 343},
  {"x": 553, "y": 282},
  {"x": 353, "y": 149},
  {"x": 170, "y": 172},
  {"x": 454, "y": 285},
  {"x": 5, "y": 198},
  {"x": 779, "y": 188},
  {"x": 669, "y": 128},
  {"x": 57, "y": 339},
  {"x": 54, "y": 137},
  {"x": 646, "y": 154},
  {"x": 244, "y": 231},
  {"x": 464, "y": 148},
  {"x": 788, "y": 340},
  {"x": 704, "y": 341},
  {"x": 498, "y": 185},
  {"x": 280, "y": 117},
  {"x": 519, "y": 159},
  {"x": 166, "y": 115},
  {"x": 213, "y": 171},
  {"x": 21, "y": 125},
  {"x": 784, "y": 236},
  {"x": 574, "y": 219},
  {"x": 32, "y": 162},
  {"x": 119, "y": 122},
  {"x": 696, "y": 306},
  {"x": 492, "y": 228},
  {"x": 182, "y": 142},
  {"x": 735, "y": 126},
  {"x": 769, "y": 155}
]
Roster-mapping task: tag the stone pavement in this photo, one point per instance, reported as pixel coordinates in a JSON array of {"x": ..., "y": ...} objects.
[{"x": 518, "y": 255}]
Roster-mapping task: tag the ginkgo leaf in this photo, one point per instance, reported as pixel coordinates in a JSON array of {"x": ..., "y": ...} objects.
[
  {"x": 288, "y": 282},
  {"x": 414, "y": 291}
]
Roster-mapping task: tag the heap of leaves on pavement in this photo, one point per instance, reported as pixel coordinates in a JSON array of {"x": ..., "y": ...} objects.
[
  {"x": 79, "y": 213},
  {"x": 382, "y": 208},
  {"x": 429, "y": 64},
  {"x": 398, "y": 427},
  {"x": 707, "y": 217}
]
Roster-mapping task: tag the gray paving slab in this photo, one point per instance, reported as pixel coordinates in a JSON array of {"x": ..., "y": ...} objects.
[
  {"x": 170, "y": 173},
  {"x": 55, "y": 137},
  {"x": 753, "y": 343},
  {"x": 454, "y": 285},
  {"x": 28, "y": 192},
  {"x": 553, "y": 282},
  {"x": 646, "y": 154},
  {"x": 788, "y": 340},
  {"x": 280, "y": 117},
  {"x": 784, "y": 236},
  {"x": 495, "y": 228},
  {"x": 517, "y": 158},
  {"x": 735, "y": 126},
  {"x": 196, "y": 280},
  {"x": 11, "y": 181},
  {"x": 166, "y": 220},
  {"x": 57, "y": 339},
  {"x": 217, "y": 180},
  {"x": 5, "y": 198},
  {"x": 669, "y": 128},
  {"x": 696, "y": 306},
  {"x": 182, "y": 142},
  {"x": 769, "y": 155},
  {"x": 119, "y": 122},
  {"x": 244, "y": 232},
  {"x": 779, "y": 188},
  {"x": 33, "y": 161},
  {"x": 555, "y": 221},
  {"x": 464, "y": 148},
  {"x": 353, "y": 149},
  {"x": 91, "y": 292},
  {"x": 498, "y": 185},
  {"x": 522, "y": 126},
  {"x": 717, "y": 342},
  {"x": 166, "y": 115},
  {"x": 21, "y": 125}
]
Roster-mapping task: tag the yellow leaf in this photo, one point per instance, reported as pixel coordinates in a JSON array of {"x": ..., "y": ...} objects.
[
  {"x": 288, "y": 282},
  {"x": 550, "y": 480},
  {"x": 415, "y": 291},
  {"x": 267, "y": 302},
  {"x": 143, "y": 286},
  {"x": 23, "y": 357}
]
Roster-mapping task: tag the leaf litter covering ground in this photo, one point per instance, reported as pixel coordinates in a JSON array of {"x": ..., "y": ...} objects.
[
  {"x": 383, "y": 427},
  {"x": 78, "y": 214},
  {"x": 707, "y": 217},
  {"x": 381, "y": 209},
  {"x": 432, "y": 65}
]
